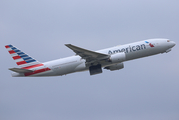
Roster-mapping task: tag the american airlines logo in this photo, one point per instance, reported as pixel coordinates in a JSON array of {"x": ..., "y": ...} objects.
[
  {"x": 131, "y": 48},
  {"x": 151, "y": 45},
  {"x": 128, "y": 49}
]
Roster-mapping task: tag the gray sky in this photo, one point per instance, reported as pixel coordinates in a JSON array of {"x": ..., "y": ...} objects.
[{"x": 146, "y": 88}]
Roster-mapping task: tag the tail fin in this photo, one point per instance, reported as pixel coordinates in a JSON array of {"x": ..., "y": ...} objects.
[{"x": 23, "y": 60}]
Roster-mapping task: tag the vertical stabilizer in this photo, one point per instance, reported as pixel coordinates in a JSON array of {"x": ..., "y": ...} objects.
[{"x": 23, "y": 60}]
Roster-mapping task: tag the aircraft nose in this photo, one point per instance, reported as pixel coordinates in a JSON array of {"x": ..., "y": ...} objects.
[{"x": 172, "y": 43}]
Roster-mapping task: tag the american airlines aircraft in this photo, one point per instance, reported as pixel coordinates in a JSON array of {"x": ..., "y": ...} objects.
[{"x": 110, "y": 59}]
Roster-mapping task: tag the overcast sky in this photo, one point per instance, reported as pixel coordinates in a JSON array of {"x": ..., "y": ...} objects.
[{"x": 146, "y": 89}]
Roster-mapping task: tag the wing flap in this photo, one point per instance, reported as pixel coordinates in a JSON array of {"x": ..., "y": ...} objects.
[
  {"x": 87, "y": 54},
  {"x": 19, "y": 70}
]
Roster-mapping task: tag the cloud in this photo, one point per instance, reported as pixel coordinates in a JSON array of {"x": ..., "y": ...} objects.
[{"x": 145, "y": 89}]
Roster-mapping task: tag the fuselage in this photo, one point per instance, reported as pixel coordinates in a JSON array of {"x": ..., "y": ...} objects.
[{"x": 132, "y": 51}]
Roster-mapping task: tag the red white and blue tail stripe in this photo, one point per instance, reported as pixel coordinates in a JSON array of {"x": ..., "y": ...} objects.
[{"x": 23, "y": 60}]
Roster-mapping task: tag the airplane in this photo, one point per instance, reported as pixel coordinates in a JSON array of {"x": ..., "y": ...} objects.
[{"x": 87, "y": 60}]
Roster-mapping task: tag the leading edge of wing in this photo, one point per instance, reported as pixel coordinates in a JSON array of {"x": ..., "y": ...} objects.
[{"x": 84, "y": 53}]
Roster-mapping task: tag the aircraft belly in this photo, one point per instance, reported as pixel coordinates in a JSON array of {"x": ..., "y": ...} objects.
[
  {"x": 142, "y": 53},
  {"x": 46, "y": 73},
  {"x": 81, "y": 67},
  {"x": 66, "y": 69}
]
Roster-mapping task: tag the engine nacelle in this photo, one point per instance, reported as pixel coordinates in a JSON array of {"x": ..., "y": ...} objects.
[
  {"x": 118, "y": 57},
  {"x": 115, "y": 67}
]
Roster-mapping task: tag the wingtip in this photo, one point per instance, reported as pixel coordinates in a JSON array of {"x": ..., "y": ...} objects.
[{"x": 67, "y": 45}]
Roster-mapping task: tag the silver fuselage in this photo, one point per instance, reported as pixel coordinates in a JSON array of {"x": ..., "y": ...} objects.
[{"x": 132, "y": 51}]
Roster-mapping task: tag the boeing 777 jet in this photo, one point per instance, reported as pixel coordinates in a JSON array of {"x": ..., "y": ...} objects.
[{"x": 110, "y": 59}]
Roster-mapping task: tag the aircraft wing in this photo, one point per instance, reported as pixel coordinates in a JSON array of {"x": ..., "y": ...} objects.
[
  {"x": 89, "y": 56},
  {"x": 20, "y": 70}
]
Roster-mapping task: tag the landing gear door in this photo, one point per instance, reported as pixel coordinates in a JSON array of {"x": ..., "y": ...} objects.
[{"x": 95, "y": 69}]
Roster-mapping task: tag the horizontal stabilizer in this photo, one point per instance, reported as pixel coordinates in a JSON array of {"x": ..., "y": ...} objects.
[{"x": 19, "y": 70}]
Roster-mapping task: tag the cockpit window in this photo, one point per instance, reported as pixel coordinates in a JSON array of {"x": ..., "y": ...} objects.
[{"x": 168, "y": 40}]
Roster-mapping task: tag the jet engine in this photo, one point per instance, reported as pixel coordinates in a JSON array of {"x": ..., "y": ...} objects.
[
  {"x": 118, "y": 57},
  {"x": 115, "y": 67}
]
